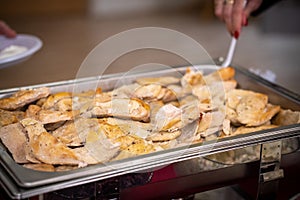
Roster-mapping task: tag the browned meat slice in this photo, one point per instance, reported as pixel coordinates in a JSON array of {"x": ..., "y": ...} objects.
[
  {"x": 243, "y": 129},
  {"x": 287, "y": 117},
  {"x": 40, "y": 167},
  {"x": 130, "y": 143},
  {"x": 13, "y": 137},
  {"x": 47, "y": 148},
  {"x": 190, "y": 79},
  {"x": 100, "y": 147},
  {"x": 257, "y": 117},
  {"x": 53, "y": 116},
  {"x": 83, "y": 154},
  {"x": 222, "y": 74},
  {"x": 134, "y": 109},
  {"x": 149, "y": 92},
  {"x": 10, "y": 117},
  {"x": 166, "y": 80},
  {"x": 32, "y": 111},
  {"x": 164, "y": 136},
  {"x": 53, "y": 99},
  {"x": 249, "y": 108},
  {"x": 73, "y": 133},
  {"x": 23, "y": 97}
]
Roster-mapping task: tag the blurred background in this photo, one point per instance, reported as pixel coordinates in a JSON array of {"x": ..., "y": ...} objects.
[{"x": 69, "y": 29}]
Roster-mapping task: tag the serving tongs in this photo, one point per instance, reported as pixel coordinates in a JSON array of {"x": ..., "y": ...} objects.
[
  {"x": 230, "y": 53},
  {"x": 231, "y": 50}
]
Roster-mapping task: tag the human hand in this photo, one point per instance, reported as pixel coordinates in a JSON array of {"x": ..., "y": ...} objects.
[
  {"x": 235, "y": 13},
  {"x": 6, "y": 30}
]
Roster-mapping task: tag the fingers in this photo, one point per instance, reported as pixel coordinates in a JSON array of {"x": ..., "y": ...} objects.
[
  {"x": 6, "y": 30},
  {"x": 219, "y": 9},
  {"x": 235, "y": 13},
  {"x": 237, "y": 17}
]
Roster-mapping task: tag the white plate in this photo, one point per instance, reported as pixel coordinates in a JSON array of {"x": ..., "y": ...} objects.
[{"x": 32, "y": 43}]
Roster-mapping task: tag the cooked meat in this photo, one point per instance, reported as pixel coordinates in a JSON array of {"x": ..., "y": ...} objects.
[
  {"x": 53, "y": 99},
  {"x": 190, "y": 79},
  {"x": 287, "y": 117},
  {"x": 53, "y": 116},
  {"x": 64, "y": 105},
  {"x": 149, "y": 92},
  {"x": 131, "y": 143},
  {"x": 233, "y": 97},
  {"x": 164, "y": 136},
  {"x": 32, "y": 127},
  {"x": 130, "y": 127},
  {"x": 134, "y": 109},
  {"x": 68, "y": 134},
  {"x": 83, "y": 154},
  {"x": 125, "y": 91},
  {"x": 253, "y": 117},
  {"x": 168, "y": 117},
  {"x": 32, "y": 112},
  {"x": 40, "y": 167},
  {"x": 10, "y": 117},
  {"x": 23, "y": 97},
  {"x": 14, "y": 138},
  {"x": 111, "y": 131},
  {"x": 165, "y": 80},
  {"x": 243, "y": 129},
  {"x": 222, "y": 74},
  {"x": 140, "y": 147},
  {"x": 100, "y": 147},
  {"x": 73, "y": 133},
  {"x": 48, "y": 149}
]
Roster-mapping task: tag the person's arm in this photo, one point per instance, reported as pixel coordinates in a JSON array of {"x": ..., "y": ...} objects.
[{"x": 6, "y": 30}]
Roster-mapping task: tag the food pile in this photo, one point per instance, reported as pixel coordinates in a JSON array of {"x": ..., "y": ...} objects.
[{"x": 67, "y": 130}]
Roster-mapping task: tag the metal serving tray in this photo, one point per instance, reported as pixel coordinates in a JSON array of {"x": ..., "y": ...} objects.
[{"x": 20, "y": 182}]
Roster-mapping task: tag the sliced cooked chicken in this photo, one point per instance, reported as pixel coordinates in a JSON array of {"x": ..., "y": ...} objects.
[
  {"x": 40, "y": 167},
  {"x": 134, "y": 109},
  {"x": 190, "y": 79},
  {"x": 53, "y": 99},
  {"x": 100, "y": 147},
  {"x": 234, "y": 96},
  {"x": 150, "y": 92},
  {"x": 168, "y": 117},
  {"x": 23, "y": 97},
  {"x": 32, "y": 112},
  {"x": 74, "y": 133},
  {"x": 243, "y": 129},
  {"x": 52, "y": 116},
  {"x": 222, "y": 74},
  {"x": 287, "y": 117},
  {"x": 14, "y": 138},
  {"x": 164, "y": 135},
  {"x": 10, "y": 117},
  {"x": 165, "y": 80},
  {"x": 83, "y": 154},
  {"x": 130, "y": 127},
  {"x": 130, "y": 143},
  {"x": 253, "y": 117},
  {"x": 47, "y": 148}
]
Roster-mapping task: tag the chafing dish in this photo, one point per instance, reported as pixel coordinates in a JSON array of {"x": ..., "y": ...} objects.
[{"x": 20, "y": 182}]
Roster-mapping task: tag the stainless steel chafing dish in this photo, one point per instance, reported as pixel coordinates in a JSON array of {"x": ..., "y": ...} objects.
[{"x": 20, "y": 182}]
